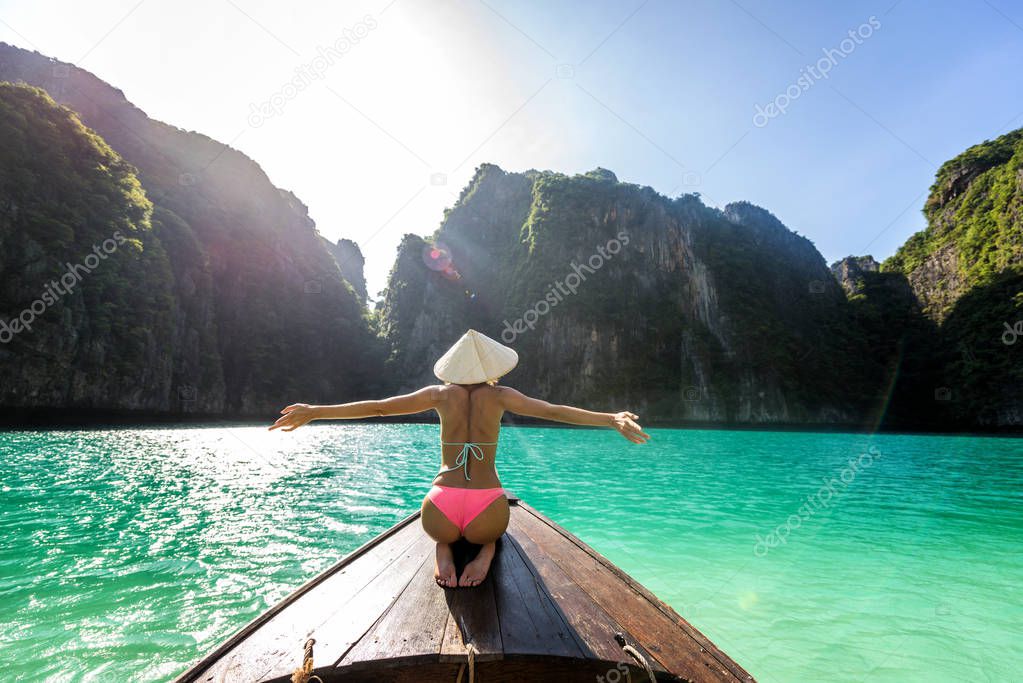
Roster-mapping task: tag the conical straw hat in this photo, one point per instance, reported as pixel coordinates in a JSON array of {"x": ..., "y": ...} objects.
[{"x": 475, "y": 358}]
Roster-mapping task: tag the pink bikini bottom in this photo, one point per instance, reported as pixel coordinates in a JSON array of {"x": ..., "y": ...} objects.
[{"x": 461, "y": 506}]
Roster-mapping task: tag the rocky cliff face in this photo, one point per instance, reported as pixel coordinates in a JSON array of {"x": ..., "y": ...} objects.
[
  {"x": 86, "y": 304},
  {"x": 260, "y": 309},
  {"x": 952, "y": 296},
  {"x": 974, "y": 228},
  {"x": 616, "y": 296},
  {"x": 219, "y": 296},
  {"x": 350, "y": 262},
  {"x": 902, "y": 342},
  {"x": 852, "y": 270}
]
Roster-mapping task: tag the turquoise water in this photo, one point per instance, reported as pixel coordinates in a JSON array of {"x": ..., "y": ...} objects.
[{"x": 126, "y": 553}]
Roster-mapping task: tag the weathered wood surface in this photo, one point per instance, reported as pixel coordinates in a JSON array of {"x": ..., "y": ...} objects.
[{"x": 550, "y": 608}]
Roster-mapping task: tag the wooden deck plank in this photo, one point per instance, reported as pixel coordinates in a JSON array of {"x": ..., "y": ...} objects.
[
  {"x": 529, "y": 621},
  {"x": 472, "y": 619},
  {"x": 672, "y": 615},
  {"x": 283, "y": 633},
  {"x": 346, "y": 627},
  {"x": 594, "y": 625},
  {"x": 669, "y": 638},
  {"x": 533, "y": 670},
  {"x": 349, "y": 616},
  {"x": 412, "y": 627}
]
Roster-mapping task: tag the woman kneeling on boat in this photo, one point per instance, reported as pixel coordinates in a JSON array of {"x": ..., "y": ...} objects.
[{"x": 466, "y": 500}]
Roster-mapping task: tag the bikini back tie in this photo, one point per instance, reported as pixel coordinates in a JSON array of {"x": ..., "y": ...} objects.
[{"x": 462, "y": 461}]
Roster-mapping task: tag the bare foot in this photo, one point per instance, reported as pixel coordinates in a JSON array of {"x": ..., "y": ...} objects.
[
  {"x": 444, "y": 574},
  {"x": 476, "y": 570}
]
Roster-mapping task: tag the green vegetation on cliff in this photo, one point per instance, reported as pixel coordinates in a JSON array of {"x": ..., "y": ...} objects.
[
  {"x": 975, "y": 208},
  {"x": 256, "y": 309},
  {"x": 959, "y": 289},
  {"x": 222, "y": 297},
  {"x": 614, "y": 295},
  {"x": 84, "y": 272}
]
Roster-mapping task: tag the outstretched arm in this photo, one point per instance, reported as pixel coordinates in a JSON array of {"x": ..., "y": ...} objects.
[
  {"x": 298, "y": 414},
  {"x": 624, "y": 422}
]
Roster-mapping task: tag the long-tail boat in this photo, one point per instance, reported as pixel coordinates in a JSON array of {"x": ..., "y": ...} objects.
[{"x": 551, "y": 608}]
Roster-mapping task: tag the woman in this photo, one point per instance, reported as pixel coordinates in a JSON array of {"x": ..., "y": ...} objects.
[{"x": 466, "y": 500}]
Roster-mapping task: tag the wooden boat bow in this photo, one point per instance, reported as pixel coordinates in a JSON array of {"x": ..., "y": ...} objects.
[{"x": 552, "y": 608}]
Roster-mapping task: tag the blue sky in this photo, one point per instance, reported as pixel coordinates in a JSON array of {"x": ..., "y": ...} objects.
[{"x": 663, "y": 93}]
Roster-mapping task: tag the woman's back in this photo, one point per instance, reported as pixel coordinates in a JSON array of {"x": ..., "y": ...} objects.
[{"x": 469, "y": 414}]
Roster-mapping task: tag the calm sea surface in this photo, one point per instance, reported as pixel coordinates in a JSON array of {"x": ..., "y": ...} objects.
[{"x": 126, "y": 553}]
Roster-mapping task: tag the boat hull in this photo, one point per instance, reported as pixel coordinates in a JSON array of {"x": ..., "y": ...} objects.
[{"x": 551, "y": 608}]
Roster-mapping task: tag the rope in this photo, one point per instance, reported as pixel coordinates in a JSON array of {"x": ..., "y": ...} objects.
[
  {"x": 304, "y": 673},
  {"x": 642, "y": 660},
  {"x": 231, "y": 664},
  {"x": 637, "y": 655},
  {"x": 472, "y": 665}
]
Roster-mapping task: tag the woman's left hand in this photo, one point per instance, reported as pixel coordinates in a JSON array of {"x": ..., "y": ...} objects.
[{"x": 294, "y": 416}]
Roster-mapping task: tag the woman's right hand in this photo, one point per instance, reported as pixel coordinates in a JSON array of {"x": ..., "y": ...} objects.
[{"x": 626, "y": 425}]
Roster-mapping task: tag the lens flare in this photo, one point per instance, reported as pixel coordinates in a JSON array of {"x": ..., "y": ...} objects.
[{"x": 437, "y": 257}]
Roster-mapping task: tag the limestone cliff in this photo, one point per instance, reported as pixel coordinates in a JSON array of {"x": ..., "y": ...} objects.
[
  {"x": 261, "y": 311},
  {"x": 350, "y": 262},
  {"x": 615, "y": 296},
  {"x": 974, "y": 228},
  {"x": 950, "y": 301},
  {"x": 220, "y": 296},
  {"x": 86, "y": 307},
  {"x": 852, "y": 270}
]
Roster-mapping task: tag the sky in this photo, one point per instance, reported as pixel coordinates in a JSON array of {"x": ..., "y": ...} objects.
[{"x": 376, "y": 113}]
